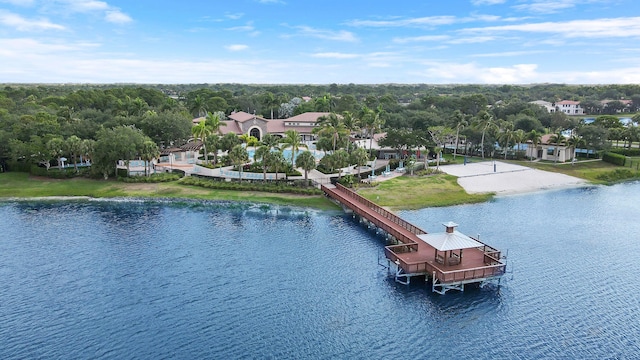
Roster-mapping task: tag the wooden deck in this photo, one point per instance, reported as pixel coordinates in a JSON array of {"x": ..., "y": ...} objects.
[{"x": 412, "y": 255}]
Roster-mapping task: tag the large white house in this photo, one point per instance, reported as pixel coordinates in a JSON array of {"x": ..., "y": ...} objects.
[{"x": 570, "y": 107}]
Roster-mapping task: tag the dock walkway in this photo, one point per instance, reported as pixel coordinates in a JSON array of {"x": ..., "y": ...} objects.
[{"x": 412, "y": 256}]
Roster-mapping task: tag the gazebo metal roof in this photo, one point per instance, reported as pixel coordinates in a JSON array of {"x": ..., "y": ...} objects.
[{"x": 450, "y": 240}]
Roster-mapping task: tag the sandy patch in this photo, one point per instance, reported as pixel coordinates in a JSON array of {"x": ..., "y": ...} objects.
[{"x": 506, "y": 178}]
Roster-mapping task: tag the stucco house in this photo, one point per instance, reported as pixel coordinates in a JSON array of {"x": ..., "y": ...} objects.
[
  {"x": 546, "y": 150},
  {"x": 570, "y": 107},
  {"x": 545, "y": 104},
  {"x": 245, "y": 123}
]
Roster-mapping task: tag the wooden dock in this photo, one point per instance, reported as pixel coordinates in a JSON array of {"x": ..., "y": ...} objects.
[{"x": 412, "y": 256}]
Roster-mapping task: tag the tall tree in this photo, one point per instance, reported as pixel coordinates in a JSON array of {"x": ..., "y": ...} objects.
[
  {"x": 201, "y": 132},
  {"x": 239, "y": 156},
  {"x": 459, "y": 123},
  {"x": 307, "y": 162},
  {"x": 331, "y": 126},
  {"x": 484, "y": 122},
  {"x": 535, "y": 138},
  {"x": 292, "y": 140},
  {"x": 148, "y": 151},
  {"x": 559, "y": 139},
  {"x": 73, "y": 145}
]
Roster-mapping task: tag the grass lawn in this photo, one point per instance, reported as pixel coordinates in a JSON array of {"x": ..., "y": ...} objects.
[
  {"x": 588, "y": 170},
  {"x": 21, "y": 185},
  {"x": 413, "y": 192}
]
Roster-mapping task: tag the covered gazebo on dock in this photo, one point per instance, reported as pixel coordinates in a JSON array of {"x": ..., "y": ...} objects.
[{"x": 449, "y": 244}]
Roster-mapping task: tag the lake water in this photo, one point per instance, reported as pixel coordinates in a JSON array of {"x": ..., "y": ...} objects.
[{"x": 109, "y": 279}]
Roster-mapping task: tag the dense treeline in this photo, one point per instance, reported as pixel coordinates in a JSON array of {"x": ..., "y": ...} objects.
[{"x": 40, "y": 124}]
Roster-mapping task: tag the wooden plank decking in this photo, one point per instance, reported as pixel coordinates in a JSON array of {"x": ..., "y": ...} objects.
[{"x": 412, "y": 254}]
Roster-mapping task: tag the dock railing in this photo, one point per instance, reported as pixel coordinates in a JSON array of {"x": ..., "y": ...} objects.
[{"x": 380, "y": 210}]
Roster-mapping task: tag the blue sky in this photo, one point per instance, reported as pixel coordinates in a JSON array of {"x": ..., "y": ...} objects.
[{"x": 320, "y": 42}]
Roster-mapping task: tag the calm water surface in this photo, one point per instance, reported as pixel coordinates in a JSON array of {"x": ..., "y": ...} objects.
[{"x": 105, "y": 279}]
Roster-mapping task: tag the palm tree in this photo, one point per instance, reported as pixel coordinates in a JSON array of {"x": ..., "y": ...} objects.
[
  {"x": 519, "y": 136},
  {"x": 506, "y": 136},
  {"x": 148, "y": 151},
  {"x": 331, "y": 126},
  {"x": 372, "y": 120},
  {"x": 341, "y": 159},
  {"x": 263, "y": 154},
  {"x": 350, "y": 122},
  {"x": 535, "y": 138},
  {"x": 277, "y": 160},
  {"x": 558, "y": 139},
  {"x": 198, "y": 106},
  {"x": 88, "y": 145},
  {"x": 307, "y": 162},
  {"x": 239, "y": 157},
  {"x": 292, "y": 139},
  {"x": 202, "y": 131},
  {"x": 460, "y": 123},
  {"x": 214, "y": 122},
  {"x": 575, "y": 141},
  {"x": 74, "y": 147},
  {"x": 484, "y": 122},
  {"x": 213, "y": 144},
  {"x": 360, "y": 157},
  {"x": 56, "y": 148}
]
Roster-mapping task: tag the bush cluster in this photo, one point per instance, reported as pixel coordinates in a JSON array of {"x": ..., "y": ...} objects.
[
  {"x": 613, "y": 158},
  {"x": 292, "y": 187},
  {"x": 55, "y": 173},
  {"x": 627, "y": 152},
  {"x": 617, "y": 175},
  {"x": 154, "y": 178}
]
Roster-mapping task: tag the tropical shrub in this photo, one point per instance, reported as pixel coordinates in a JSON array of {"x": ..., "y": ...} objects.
[{"x": 613, "y": 158}]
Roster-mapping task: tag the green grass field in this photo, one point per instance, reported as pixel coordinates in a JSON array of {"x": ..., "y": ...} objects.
[
  {"x": 413, "y": 192},
  {"x": 21, "y": 185}
]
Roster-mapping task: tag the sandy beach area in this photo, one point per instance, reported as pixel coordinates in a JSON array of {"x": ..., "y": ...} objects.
[{"x": 504, "y": 178}]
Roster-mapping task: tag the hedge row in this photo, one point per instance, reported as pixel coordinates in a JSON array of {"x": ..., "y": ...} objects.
[
  {"x": 626, "y": 152},
  {"x": 613, "y": 158},
  {"x": 154, "y": 178},
  {"x": 249, "y": 186},
  {"x": 56, "y": 173}
]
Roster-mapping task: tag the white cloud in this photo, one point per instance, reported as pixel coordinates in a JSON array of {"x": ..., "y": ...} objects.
[
  {"x": 443, "y": 72},
  {"x": 236, "y": 47},
  {"x": 545, "y": 7},
  {"x": 422, "y": 21},
  {"x": 84, "y": 6},
  {"x": 234, "y": 16},
  {"x": 24, "y": 48},
  {"x": 324, "y": 34},
  {"x": 117, "y": 17},
  {"x": 510, "y": 53},
  {"x": 596, "y": 28},
  {"x": 472, "y": 40},
  {"x": 335, "y": 55},
  {"x": 487, "y": 2},
  {"x": 424, "y": 38},
  {"x": 247, "y": 27},
  {"x": 427, "y": 21},
  {"x": 554, "y": 6},
  {"x": 18, "y": 2},
  {"x": 21, "y": 24}
]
